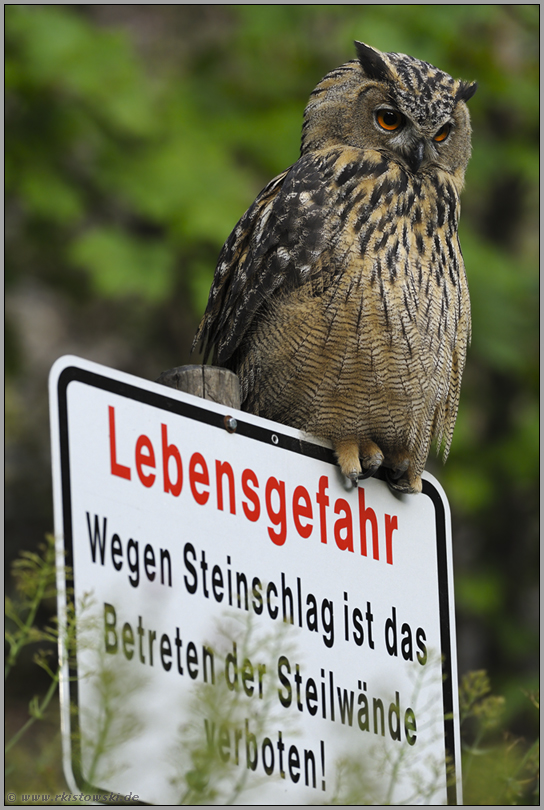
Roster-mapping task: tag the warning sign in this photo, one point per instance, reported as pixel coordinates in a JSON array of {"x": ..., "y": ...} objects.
[{"x": 250, "y": 627}]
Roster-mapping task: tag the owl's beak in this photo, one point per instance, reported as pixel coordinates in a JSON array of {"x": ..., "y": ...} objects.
[{"x": 416, "y": 156}]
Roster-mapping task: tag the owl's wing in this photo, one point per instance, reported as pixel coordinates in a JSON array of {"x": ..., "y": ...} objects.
[{"x": 278, "y": 244}]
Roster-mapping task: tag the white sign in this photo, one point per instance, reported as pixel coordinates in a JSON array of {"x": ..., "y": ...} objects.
[{"x": 251, "y": 628}]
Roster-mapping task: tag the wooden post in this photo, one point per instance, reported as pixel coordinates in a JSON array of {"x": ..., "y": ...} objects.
[{"x": 210, "y": 382}]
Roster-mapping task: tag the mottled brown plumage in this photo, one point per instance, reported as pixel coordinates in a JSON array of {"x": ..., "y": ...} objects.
[{"x": 340, "y": 298}]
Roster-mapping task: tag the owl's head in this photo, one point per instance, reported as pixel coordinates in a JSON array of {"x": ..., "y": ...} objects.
[{"x": 407, "y": 109}]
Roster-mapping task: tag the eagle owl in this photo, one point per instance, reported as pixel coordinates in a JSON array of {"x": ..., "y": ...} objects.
[{"x": 340, "y": 298}]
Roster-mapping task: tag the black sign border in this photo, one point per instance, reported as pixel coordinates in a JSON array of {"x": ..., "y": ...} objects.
[{"x": 274, "y": 436}]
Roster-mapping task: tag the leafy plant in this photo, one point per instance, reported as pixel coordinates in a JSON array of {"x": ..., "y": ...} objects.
[
  {"x": 34, "y": 576},
  {"x": 498, "y": 767}
]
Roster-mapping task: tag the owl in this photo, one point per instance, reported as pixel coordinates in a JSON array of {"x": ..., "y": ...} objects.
[{"x": 340, "y": 298}]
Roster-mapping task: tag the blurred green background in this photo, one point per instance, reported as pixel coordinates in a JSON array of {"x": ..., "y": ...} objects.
[{"x": 137, "y": 135}]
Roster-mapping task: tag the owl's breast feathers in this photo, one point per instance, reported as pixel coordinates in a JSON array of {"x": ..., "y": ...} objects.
[{"x": 340, "y": 299}]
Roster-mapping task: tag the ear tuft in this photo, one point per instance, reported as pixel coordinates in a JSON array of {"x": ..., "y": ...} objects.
[
  {"x": 466, "y": 90},
  {"x": 372, "y": 63}
]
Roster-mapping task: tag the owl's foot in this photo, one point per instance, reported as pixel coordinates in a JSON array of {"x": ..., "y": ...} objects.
[
  {"x": 402, "y": 479},
  {"x": 372, "y": 458},
  {"x": 350, "y": 455},
  {"x": 347, "y": 453}
]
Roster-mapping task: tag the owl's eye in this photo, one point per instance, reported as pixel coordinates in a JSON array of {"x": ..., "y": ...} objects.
[
  {"x": 390, "y": 120},
  {"x": 442, "y": 133}
]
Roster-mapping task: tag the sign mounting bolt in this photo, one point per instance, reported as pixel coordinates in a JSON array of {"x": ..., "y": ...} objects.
[{"x": 230, "y": 423}]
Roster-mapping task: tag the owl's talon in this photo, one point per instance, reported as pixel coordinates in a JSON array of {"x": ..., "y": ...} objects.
[
  {"x": 391, "y": 476},
  {"x": 369, "y": 472}
]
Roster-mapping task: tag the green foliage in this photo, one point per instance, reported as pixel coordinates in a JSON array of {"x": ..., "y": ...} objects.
[
  {"x": 35, "y": 581},
  {"x": 121, "y": 265},
  {"x": 498, "y": 768}
]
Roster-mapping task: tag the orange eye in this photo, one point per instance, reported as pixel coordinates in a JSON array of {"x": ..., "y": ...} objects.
[
  {"x": 442, "y": 133},
  {"x": 390, "y": 120}
]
